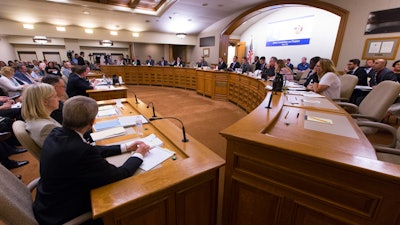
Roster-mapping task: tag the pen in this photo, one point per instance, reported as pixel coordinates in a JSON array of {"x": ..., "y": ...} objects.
[{"x": 287, "y": 114}]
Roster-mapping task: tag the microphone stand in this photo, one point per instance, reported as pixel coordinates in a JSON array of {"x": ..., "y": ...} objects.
[
  {"x": 136, "y": 98},
  {"x": 154, "y": 112},
  {"x": 169, "y": 117}
]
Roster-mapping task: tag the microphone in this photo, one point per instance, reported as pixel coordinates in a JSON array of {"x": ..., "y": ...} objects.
[
  {"x": 154, "y": 112},
  {"x": 169, "y": 117},
  {"x": 136, "y": 98}
]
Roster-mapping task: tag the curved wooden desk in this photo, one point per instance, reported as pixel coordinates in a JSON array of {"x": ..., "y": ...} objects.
[
  {"x": 279, "y": 172},
  {"x": 181, "y": 191},
  {"x": 247, "y": 92}
]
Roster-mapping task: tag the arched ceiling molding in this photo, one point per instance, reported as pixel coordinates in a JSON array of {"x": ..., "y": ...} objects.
[{"x": 238, "y": 21}]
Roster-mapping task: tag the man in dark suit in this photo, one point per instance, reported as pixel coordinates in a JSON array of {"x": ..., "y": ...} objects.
[
  {"x": 70, "y": 167},
  {"x": 163, "y": 62},
  {"x": 22, "y": 76},
  {"x": 354, "y": 69},
  {"x": 221, "y": 64},
  {"x": 269, "y": 69},
  {"x": 135, "y": 61},
  {"x": 81, "y": 61},
  {"x": 235, "y": 64},
  {"x": 382, "y": 73},
  {"x": 78, "y": 83},
  {"x": 149, "y": 61}
]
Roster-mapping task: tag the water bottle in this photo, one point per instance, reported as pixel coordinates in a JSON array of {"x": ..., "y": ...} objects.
[{"x": 139, "y": 126}]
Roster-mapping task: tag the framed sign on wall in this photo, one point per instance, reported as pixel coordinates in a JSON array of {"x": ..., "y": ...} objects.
[{"x": 381, "y": 48}]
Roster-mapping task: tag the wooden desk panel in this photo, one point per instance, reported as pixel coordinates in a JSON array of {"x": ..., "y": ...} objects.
[
  {"x": 112, "y": 93},
  {"x": 182, "y": 191}
]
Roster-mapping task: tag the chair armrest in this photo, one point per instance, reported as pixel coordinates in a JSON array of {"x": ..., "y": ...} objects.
[
  {"x": 361, "y": 116},
  {"x": 32, "y": 185},
  {"x": 382, "y": 126},
  {"x": 340, "y": 100},
  {"x": 346, "y": 106},
  {"x": 382, "y": 149},
  {"x": 79, "y": 219}
]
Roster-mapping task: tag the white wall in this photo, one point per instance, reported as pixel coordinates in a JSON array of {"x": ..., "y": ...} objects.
[
  {"x": 7, "y": 50},
  {"x": 323, "y": 35}
]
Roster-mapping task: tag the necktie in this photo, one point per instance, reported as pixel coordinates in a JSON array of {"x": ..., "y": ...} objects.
[{"x": 351, "y": 72}]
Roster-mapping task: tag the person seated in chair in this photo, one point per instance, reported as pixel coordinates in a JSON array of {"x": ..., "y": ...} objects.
[
  {"x": 78, "y": 83},
  {"x": 39, "y": 101},
  {"x": 70, "y": 167}
]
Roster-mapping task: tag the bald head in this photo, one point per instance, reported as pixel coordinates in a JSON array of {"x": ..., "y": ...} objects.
[{"x": 379, "y": 64}]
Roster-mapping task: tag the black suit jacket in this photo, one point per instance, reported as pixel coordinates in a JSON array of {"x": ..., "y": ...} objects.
[
  {"x": 234, "y": 65},
  {"x": 362, "y": 76},
  {"x": 77, "y": 85},
  {"x": 222, "y": 66},
  {"x": 81, "y": 61},
  {"x": 69, "y": 169},
  {"x": 385, "y": 74}
]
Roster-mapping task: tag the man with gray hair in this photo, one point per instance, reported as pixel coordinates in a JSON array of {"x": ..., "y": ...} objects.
[{"x": 70, "y": 167}]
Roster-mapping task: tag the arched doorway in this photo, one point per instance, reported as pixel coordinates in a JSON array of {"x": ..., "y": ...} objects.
[{"x": 238, "y": 21}]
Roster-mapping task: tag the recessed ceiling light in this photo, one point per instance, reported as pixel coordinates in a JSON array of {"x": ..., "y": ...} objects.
[
  {"x": 62, "y": 29},
  {"x": 147, "y": 21},
  {"x": 86, "y": 12},
  {"x": 89, "y": 31},
  {"x": 115, "y": 33},
  {"x": 28, "y": 26},
  {"x": 204, "y": 4},
  {"x": 135, "y": 34}
]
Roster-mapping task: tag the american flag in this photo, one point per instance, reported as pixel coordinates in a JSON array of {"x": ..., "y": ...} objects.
[{"x": 250, "y": 53}]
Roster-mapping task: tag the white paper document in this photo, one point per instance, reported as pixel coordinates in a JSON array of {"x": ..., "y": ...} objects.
[
  {"x": 127, "y": 121},
  {"x": 153, "y": 158},
  {"x": 107, "y": 112},
  {"x": 108, "y": 133}
]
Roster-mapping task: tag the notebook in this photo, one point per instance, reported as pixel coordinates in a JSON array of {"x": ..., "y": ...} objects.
[{"x": 108, "y": 133}]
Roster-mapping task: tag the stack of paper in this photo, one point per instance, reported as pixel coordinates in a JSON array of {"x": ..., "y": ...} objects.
[
  {"x": 127, "y": 121},
  {"x": 109, "y": 133},
  {"x": 152, "y": 140},
  {"x": 106, "y": 110},
  {"x": 154, "y": 157},
  {"x": 123, "y": 121}
]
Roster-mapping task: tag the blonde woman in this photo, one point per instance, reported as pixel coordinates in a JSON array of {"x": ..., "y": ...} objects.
[
  {"x": 281, "y": 68},
  {"x": 7, "y": 81},
  {"x": 39, "y": 100},
  {"x": 326, "y": 81}
]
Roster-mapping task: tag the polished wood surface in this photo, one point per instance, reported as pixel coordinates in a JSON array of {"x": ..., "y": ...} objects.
[
  {"x": 181, "y": 191},
  {"x": 111, "y": 92},
  {"x": 277, "y": 172}
]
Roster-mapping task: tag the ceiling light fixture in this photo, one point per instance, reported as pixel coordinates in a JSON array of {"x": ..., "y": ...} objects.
[
  {"x": 40, "y": 40},
  {"x": 106, "y": 43},
  {"x": 135, "y": 34},
  {"x": 181, "y": 35},
  {"x": 114, "y": 33},
  {"x": 62, "y": 29},
  {"x": 89, "y": 31},
  {"x": 28, "y": 26}
]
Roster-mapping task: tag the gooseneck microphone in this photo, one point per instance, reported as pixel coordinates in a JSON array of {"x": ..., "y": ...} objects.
[
  {"x": 136, "y": 98},
  {"x": 152, "y": 105},
  {"x": 169, "y": 117}
]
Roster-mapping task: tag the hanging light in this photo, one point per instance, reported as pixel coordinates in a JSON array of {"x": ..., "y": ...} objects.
[
  {"x": 181, "y": 35},
  {"x": 40, "y": 40},
  {"x": 106, "y": 43}
]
